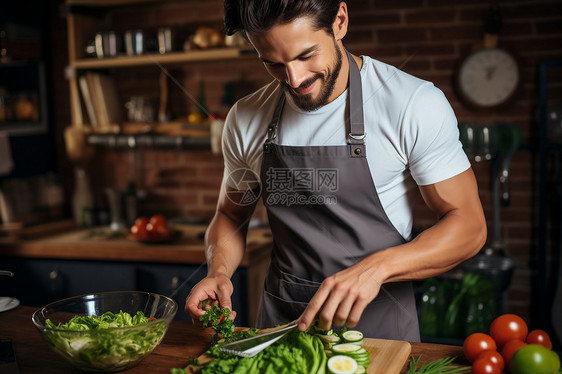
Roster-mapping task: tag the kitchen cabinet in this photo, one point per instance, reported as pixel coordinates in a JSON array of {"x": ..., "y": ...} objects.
[
  {"x": 42, "y": 281},
  {"x": 23, "y": 98},
  {"x": 94, "y": 25}
]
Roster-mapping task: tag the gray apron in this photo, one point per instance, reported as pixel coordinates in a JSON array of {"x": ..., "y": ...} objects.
[{"x": 325, "y": 215}]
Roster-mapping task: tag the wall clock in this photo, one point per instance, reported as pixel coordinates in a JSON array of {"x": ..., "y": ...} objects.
[{"x": 487, "y": 78}]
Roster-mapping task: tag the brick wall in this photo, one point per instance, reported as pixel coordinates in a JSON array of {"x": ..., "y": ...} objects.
[{"x": 423, "y": 37}]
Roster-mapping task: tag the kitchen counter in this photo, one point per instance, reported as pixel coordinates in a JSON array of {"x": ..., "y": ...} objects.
[
  {"x": 53, "y": 266},
  {"x": 182, "y": 342},
  {"x": 98, "y": 244}
]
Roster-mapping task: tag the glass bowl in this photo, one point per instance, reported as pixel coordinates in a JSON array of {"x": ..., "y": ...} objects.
[{"x": 106, "y": 349}]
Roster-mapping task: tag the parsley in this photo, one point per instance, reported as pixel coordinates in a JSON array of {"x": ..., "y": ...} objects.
[{"x": 217, "y": 318}]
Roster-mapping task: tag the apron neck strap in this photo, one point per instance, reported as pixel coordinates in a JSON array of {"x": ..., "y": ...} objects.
[{"x": 356, "y": 120}]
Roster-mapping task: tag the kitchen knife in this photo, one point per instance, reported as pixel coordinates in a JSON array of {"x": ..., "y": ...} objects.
[{"x": 250, "y": 347}]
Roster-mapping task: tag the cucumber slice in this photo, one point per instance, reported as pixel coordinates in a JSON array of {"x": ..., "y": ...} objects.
[
  {"x": 359, "y": 342},
  {"x": 361, "y": 352},
  {"x": 352, "y": 336},
  {"x": 362, "y": 362},
  {"x": 341, "y": 364},
  {"x": 346, "y": 348},
  {"x": 360, "y": 370},
  {"x": 330, "y": 338}
]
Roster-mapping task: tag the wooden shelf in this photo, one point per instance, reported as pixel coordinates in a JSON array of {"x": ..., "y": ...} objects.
[
  {"x": 164, "y": 59},
  {"x": 149, "y": 140}
]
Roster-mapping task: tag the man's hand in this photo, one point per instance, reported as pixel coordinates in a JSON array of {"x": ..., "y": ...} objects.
[
  {"x": 342, "y": 298},
  {"x": 217, "y": 288}
]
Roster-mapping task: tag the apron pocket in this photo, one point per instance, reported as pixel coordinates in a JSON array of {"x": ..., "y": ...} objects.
[
  {"x": 294, "y": 279},
  {"x": 296, "y": 289},
  {"x": 297, "y": 292}
]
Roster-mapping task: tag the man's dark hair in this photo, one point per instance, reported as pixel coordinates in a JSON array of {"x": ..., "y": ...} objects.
[{"x": 254, "y": 16}]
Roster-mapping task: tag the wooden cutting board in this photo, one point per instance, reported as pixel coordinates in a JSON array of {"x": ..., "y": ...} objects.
[{"x": 387, "y": 356}]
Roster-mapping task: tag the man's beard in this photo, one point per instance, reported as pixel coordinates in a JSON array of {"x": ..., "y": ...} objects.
[{"x": 306, "y": 102}]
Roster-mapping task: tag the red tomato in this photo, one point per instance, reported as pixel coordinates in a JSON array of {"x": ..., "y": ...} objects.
[
  {"x": 484, "y": 366},
  {"x": 539, "y": 337},
  {"x": 158, "y": 227},
  {"x": 508, "y": 327},
  {"x": 158, "y": 219},
  {"x": 139, "y": 227},
  {"x": 476, "y": 343},
  {"x": 495, "y": 357},
  {"x": 509, "y": 350}
]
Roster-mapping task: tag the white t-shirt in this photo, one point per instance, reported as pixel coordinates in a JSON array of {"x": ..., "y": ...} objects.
[{"x": 411, "y": 134}]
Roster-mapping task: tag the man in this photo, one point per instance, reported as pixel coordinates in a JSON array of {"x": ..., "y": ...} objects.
[{"x": 340, "y": 144}]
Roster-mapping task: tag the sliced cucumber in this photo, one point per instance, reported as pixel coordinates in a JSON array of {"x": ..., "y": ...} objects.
[
  {"x": 330, "y": 338},
  {"x": 346, "y": 348},
  {"x": 359, "y": 342},
  {"x": 341, "y": 364},
  {"x": 360, "y": 370},
  {"x": 363, "y": 362},
  {"x": 352, "y": 336},
  {"x": 361, "y": 352}
]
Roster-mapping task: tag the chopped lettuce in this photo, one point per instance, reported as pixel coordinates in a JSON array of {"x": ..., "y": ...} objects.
[
  {"x": 98, "y": 342},
  {"x": 297, "y": 352}
]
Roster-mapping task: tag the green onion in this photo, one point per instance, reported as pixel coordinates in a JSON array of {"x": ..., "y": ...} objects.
[{"x": 441, "y": 366}]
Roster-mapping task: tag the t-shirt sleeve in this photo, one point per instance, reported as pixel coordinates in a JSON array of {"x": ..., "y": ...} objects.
[
  {"x": 435, "y": 151},
  {"x": 239, "y": 165}
]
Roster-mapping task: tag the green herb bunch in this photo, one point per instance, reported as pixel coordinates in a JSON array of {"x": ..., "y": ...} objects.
[{"x": 441, "y": 366}]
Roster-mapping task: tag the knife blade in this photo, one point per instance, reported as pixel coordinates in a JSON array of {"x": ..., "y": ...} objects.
[{"x": 250, "y": 347}]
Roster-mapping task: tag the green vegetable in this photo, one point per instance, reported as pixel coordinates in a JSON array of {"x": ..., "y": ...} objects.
[
  {"x": 340, "y": 364},
  {"x": 534, "y": 359},
  {"x": 297, "y": 352},
  {"x": 96, "y": 341},
  {"x": 105, "y": 321},
  {"x": 472, "y": 309},
  {"x": 218, "y": 319},
  {"x": 441, "y": 366},
  {"x": 353, "y": 336}
]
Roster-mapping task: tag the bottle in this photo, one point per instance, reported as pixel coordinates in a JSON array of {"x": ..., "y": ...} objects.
[
  {"x": 82, "y": 199},
  {"x": 53, "y": 196}
]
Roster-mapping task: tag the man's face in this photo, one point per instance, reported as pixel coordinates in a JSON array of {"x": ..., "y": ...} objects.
[{"x": 307, "y": 62}]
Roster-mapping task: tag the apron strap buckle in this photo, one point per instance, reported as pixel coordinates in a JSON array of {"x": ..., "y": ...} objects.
[
  {"x": 356, "y": 145},
  {"x": 356, "y": 139}
]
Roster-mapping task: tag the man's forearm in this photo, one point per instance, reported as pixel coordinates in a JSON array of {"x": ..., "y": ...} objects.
[
  {"x": 458, "y": 235},
  {"x": 225, "y": 243},
  {"x": 436, "y": 250}
]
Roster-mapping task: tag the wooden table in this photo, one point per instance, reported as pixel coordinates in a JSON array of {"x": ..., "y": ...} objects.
[{"x": 182, "y": 342}]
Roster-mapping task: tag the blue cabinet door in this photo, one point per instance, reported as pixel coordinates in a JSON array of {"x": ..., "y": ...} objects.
[{"x": 37, "y": 282}]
